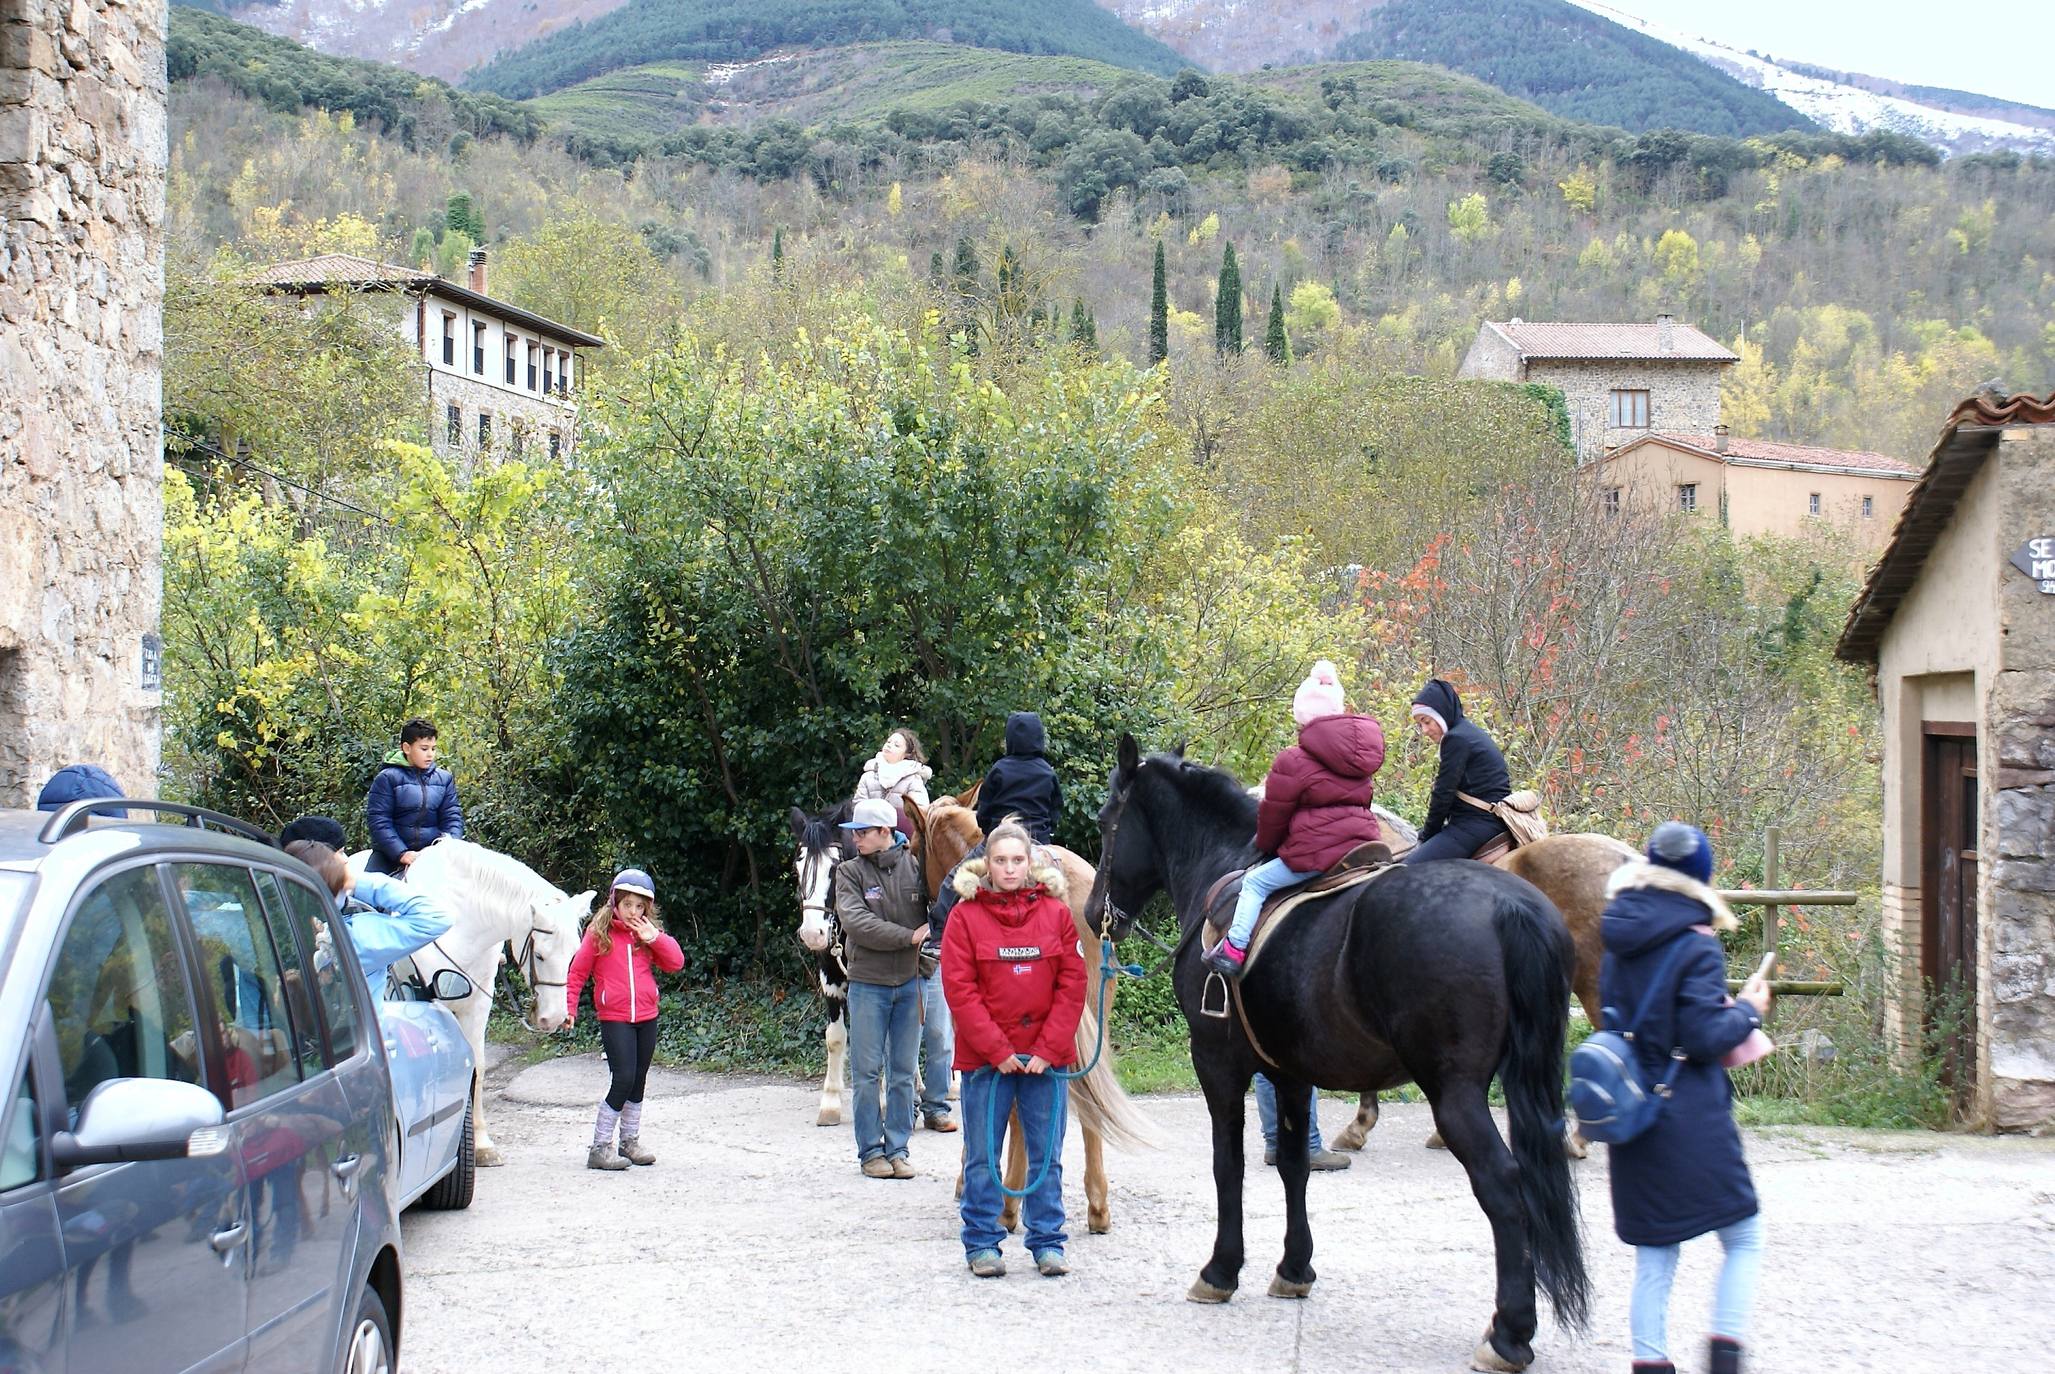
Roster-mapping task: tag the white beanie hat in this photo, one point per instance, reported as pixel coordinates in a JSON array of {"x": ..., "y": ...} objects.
[{"x": 1319, "y": 695}]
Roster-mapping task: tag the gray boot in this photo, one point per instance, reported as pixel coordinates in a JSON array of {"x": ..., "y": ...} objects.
[
  {"x": 603, "y": 1157},
  {"x": 631, "y": 1135}
]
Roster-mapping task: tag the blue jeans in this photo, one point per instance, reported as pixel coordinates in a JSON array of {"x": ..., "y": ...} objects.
[
  {"x": 884, "y": 1043},
  {"x": 1266, "y": 1112},
  {"x": 989, "y": 1097},
  {"x": 1656, "y": 1265},
  {"x": 937, "y": 1047},
  {"x": 1467, "y": 831},
  {"x": 1257, "y": 884}
]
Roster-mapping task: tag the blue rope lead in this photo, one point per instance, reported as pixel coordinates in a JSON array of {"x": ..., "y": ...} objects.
[{"x": 1109, "y": 969}]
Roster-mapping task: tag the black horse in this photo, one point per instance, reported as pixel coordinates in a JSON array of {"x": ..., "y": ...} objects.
[{"x": 1443, "y": 974}]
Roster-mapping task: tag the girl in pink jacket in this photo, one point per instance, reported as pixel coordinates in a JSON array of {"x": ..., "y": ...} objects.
[{"x": 623, "y": 948}]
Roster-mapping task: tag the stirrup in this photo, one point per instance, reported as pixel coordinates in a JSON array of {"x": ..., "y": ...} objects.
[{"x": 1207, "y": 1006}]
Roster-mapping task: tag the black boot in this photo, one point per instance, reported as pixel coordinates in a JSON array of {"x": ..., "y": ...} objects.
[{"x": 1726, "y": 1356}]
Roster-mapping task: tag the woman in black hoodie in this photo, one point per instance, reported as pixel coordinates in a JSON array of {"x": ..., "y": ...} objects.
[{"x": 1471, "y": 766}]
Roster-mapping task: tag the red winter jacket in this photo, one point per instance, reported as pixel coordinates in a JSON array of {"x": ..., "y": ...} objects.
[
  {"x": 1316, "y": 803},
  {"x": 624, "y": 978},
  {"x": 1012, "y": 971}
]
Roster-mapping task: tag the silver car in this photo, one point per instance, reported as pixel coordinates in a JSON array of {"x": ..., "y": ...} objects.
[
  {"x": 430, "y": 1063},
  {"x": 196, "y": 1139}
]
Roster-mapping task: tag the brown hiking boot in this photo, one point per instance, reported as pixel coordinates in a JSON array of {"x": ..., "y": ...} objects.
[
  {"x": 603, "y": 1157},
  {"x": 902, "y": 1167},
  {"x": 635, "y": 1152},
  {"x": 877, "y": 1166}
]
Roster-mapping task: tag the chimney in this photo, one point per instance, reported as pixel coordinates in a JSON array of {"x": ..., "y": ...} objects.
[
  {"x": 1719, "y": 438},
  {"x": 475, "y": 275},
  {"x": 1665, "y": 334}
]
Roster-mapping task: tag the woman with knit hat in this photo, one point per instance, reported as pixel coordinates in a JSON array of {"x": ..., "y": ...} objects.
[
  {"x": 623, "y": 948},
  {"x": 1685, "y": 1175},
  {"x": 1316, "y": 805},
  {"x": 1471, "y": 766}
]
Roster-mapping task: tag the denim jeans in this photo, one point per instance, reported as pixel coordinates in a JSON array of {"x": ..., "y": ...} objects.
[
  {"x": 989, "y": 1097},
  {"x": 1258, "y": 883},
  {"x": 884, "y": 1044},
  {"x": 1266, "y": 1113},
  {"x": 1467, "y": 831},
  {"x": 1733, "y": 1301},
  {"x": 937, "y": 1047}
]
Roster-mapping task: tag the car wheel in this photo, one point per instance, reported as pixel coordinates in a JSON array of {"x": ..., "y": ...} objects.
[
  {"x": 369, "y": 1349},
  {"x": 452, "y": 1192}
]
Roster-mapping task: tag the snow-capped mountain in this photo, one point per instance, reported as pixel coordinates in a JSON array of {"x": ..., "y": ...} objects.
[
  {"x": 1841, "y": 107},
  {"x": 444, "y": 38}
]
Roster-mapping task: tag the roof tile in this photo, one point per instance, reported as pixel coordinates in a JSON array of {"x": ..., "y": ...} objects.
[
  {"x": 1637, "y": 341},
  {"x": 1803, "y": 455}
]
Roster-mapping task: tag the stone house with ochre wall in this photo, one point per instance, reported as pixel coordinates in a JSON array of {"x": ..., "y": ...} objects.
[
  {"x": 497, "y": 381},
  {"x": 1620, "y": 381},
  {"x": 1958, "y": 622},
  {"x": 82, "y": 163}
]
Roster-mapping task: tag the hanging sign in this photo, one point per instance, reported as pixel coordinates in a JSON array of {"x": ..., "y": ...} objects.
[{"x": 2036, "y": 558}]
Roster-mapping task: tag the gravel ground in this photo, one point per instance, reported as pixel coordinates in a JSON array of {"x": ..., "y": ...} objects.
[{"x": 754, "y": 1242}]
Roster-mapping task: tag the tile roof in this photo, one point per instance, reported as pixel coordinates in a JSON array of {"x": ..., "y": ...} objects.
[
  {"x": 331, "y": 270},
  {"x": 1754, "y": 452},
  {"x": 1968, "y": 437},
  {"x": 1636, "y": 341}
]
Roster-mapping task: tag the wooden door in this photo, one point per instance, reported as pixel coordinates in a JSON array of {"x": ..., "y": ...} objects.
[{"x": 1948, "y": 887}]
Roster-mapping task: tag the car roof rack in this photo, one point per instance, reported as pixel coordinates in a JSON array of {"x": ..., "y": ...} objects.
[{"x": 73, "y": 816}]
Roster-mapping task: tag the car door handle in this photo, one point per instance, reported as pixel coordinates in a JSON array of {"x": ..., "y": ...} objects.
[
  {"x": 347, "y": 1166},
  {"x": 225, "y": 1241}
]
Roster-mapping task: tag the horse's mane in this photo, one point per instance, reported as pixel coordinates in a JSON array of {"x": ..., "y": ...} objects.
[
  {"x": 1214, "y": 790},
  {"x": 499, "y": 879},
  {"x": 821, "y": 833}
]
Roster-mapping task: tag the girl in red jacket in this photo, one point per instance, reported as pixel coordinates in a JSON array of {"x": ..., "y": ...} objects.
[
  {"x": 623, "y": 948},
  {"x": 1015, "y": 981},
  {"x": 1316, "y": 805}
]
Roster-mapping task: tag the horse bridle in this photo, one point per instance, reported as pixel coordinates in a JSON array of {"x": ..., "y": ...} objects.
[
  {"x": 831, "y": 856},
  {"x": 1113, "y": 914},
  {"x": 524, "y": 960}
]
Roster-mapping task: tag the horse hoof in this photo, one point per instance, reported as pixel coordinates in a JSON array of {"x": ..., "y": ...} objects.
[
  {"x": 1099, "y": 1223},
  {"x": 1435, "y": 1142},
  {"x": 1282, "y": 1287},
  {"x": 1350, "y": 1139},
  {"x": 830, "y": 1116},
  {"x": 1202, "y": 1291},
  {"x": 1491, "y": 1362},
  {"x": 1576, "y": 1146},
  {"x": 487, "y": 1157}
]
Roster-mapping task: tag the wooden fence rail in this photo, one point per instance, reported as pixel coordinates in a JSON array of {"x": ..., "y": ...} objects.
[{"x": 1772, "y": 899}]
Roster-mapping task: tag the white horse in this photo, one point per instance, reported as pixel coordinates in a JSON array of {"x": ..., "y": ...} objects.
[{"x": 494, "y": 900}]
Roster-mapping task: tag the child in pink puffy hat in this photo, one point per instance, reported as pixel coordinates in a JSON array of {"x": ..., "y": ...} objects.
[{"x": 1316, "y": 805}]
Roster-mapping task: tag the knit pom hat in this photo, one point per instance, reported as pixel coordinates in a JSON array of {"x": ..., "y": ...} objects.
[
  {"x": 1319, "y": 695},
  {"x": 1682, "y": 847}
]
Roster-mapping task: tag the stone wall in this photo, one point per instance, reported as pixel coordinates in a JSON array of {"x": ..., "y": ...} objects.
[
  {"x": 2017, "y": 860},
  {"x": 82, "y": 158},
  {"x": 512, "y": 411},
  {"x": 1683, "y": 397}
]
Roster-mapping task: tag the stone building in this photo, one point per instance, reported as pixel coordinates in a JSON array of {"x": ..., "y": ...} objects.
[
  {"x": 82, "y": 159},
  {"x": 497, "y": 380},
  {"x": 1958, "y": 623},
  {"x": 1621, "y": 381},
  {"x": 1755, "y": 487}
]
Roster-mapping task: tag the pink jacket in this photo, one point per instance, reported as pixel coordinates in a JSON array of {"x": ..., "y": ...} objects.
[{"x": 624, "y": 978}]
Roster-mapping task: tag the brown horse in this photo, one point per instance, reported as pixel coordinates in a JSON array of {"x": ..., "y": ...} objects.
[
  {"x": 948, "y": 831},
  {"x": 1571, "y": 871}
]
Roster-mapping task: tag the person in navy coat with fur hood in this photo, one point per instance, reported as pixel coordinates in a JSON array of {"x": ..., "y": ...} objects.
[{"x": 1685, "y": 1175}]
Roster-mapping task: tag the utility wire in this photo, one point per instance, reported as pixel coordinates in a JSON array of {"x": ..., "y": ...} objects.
[{"x": 204, "y": 447}]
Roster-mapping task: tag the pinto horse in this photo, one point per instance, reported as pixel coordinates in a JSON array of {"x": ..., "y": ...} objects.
[{"x": 1447, "y": 975}]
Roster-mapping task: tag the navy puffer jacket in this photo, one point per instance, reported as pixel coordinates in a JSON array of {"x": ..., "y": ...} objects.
[
  {"x": 1686, "y": 1174},
  {"x": 1023, "y": 783},
  {"x": 410, "y": 808}
]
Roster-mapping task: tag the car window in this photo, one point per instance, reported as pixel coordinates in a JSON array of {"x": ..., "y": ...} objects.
[
  {"x": 21, "y": 1159},
  {"x": 337, "y": 1002},
  {"x": 243, "y": 971},
  {"x": 289, "y": 942},
  {"x": 118, "y": 995}
]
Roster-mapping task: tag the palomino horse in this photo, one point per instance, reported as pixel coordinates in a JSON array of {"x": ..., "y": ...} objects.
[
  {"x": 493, "y": 901},
  {"x": 1571, "y": 871},
  {"x": 1445, "y": 975}
]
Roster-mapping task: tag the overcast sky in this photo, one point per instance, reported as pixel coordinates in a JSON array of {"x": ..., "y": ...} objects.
[{"x": 1994, "y": 47}]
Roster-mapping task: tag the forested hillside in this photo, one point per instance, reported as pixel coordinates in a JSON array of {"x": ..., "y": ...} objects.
[
  {"x": 1572, "y": 62},
  {"x": 737, "y": 30}
]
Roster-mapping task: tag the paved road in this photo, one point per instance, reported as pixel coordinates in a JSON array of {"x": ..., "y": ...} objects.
[{"x": 754, "y": 1242}]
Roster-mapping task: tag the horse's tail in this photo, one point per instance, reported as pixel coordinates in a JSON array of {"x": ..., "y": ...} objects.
[
  {"x": 1538, "y": 957},
  {"x": 1099, "y": 1101}
]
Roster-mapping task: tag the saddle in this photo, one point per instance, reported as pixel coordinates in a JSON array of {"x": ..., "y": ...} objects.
[{"x": 1353, "y": 869}]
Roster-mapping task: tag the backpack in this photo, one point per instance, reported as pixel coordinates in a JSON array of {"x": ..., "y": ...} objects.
[{"x": 1613, "y": 1101}]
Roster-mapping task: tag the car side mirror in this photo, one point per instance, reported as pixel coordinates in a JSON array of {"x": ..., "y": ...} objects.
[
  {"x": 449, "y": 985},
  {"x": 128, "y": 1119}
]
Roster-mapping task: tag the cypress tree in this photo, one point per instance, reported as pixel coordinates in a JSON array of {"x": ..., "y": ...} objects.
[
  {"x": 966, "y": 267},
  {"x": 1227, "y": 305},
  {"x": 1159, "y": 313},
  {"x": 1084, "y": 330},
  {"x": 1275, "y": 342},
  {"x": 935, "y": 273},
  {"x": 778, "y": 254}
]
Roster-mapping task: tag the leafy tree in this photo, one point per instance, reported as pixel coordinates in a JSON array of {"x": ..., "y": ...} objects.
[
  {"x": 1469, "y": 219},
  {"x": 461, "y": 215},
  {"x": 1227, "y": 305},
  {"x": 593, "y": 274},
  {"x": 1159, "y": 311},
  {"x": 1084, "y": 330},
  {"x": 1276, "y": 342}
]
